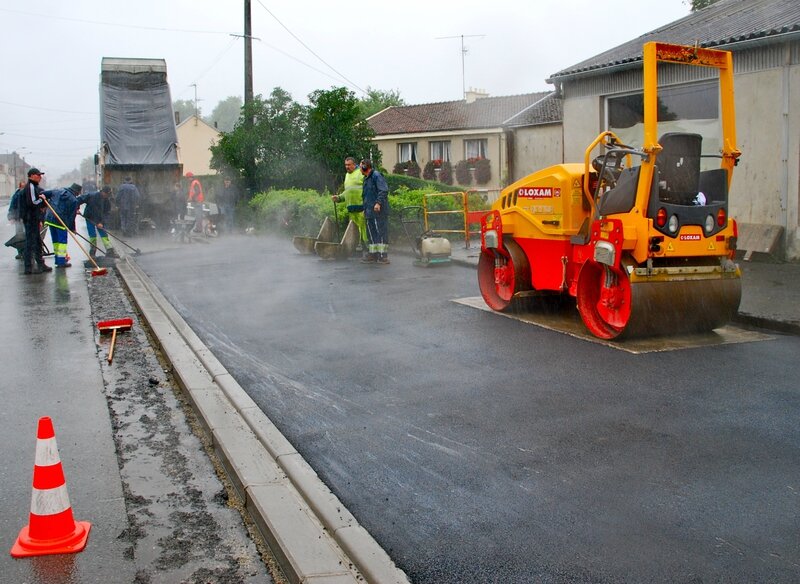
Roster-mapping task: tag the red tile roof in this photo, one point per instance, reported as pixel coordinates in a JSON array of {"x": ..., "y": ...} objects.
[{"x": 485, "y": 112}]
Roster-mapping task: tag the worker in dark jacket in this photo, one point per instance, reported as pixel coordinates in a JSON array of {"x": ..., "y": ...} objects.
[
  {"x": 375, "y": 194},
  {"x": 65, "y": 203},
  {"x": 96, "y": 213},
  {"x": 127, "y": 200},
  {"x": 226, "y": 201},
  {"x": 30, "y": 205}
]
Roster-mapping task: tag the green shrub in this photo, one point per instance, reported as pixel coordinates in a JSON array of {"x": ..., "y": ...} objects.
[
  {"x": 409, "y": 168},
  {"x": 429, "y": 172},
  {"x": 446, "y": 173},
  {"x": 301, "y": 212},
  {"x": 398, "y": 181},
  {"x": 290, "y": 212},
  {"x": 463, "y": 175},
  {"x": 483, "y": 171}
]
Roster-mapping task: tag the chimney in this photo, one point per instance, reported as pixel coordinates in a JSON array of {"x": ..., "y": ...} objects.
[{"x": 472, "y": 94}]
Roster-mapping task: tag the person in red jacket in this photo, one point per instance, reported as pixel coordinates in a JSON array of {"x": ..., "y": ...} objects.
[{"x": 196, "y": 200}]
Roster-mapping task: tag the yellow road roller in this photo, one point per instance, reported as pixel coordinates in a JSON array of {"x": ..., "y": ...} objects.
[{"x": 639, "y": 236}]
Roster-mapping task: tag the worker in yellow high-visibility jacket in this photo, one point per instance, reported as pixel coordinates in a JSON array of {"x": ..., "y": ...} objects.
[{"x": 351, "y": 196}]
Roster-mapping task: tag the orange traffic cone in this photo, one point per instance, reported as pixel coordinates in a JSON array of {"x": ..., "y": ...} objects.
[{"x": 52, "y": 529}]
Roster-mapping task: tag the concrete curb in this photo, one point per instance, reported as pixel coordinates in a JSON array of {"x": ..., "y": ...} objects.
[{"x": 313, "y": 536}]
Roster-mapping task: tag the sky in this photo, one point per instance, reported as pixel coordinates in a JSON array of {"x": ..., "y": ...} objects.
[{"x": 49, "y": 109}]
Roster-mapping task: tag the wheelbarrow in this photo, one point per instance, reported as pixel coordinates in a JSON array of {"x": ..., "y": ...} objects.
[
  {"x": 305, "y": 245},
  {"x": 339, "y": 251}
]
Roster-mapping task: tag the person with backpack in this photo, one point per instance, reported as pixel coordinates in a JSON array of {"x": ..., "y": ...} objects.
[{"x": 14, "y": 217}]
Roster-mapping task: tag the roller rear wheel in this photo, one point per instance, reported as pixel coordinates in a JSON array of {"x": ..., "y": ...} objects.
[
  {"x": 604, "y": 300},
  {"x": 614, "y": 305},
  {"x": 502, "y": 275}
]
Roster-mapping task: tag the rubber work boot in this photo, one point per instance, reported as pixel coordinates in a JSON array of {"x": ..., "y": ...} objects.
[
  {"x": 383, "y": 260},
  {"x": 45, "y": 268}
]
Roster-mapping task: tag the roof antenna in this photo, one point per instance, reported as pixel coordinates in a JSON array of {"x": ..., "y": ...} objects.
[{"x": 463, "y": 53}]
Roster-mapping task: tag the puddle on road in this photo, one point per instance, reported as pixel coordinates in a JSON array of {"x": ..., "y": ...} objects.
[{"x": 568, "y": 322}]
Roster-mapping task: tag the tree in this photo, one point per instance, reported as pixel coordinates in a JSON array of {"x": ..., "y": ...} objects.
[
  {"x": 184, "y": 108},
  {"x": 377, "y": 100},
  {"x": 700, "y": 4},
  {"x": 73, "y": 176},
  {"x": 268, "y": 153},
  {"x": 87, "y": 167},
  {"x": 226, "y": 113},
  {"x": 336, "y": 129}
]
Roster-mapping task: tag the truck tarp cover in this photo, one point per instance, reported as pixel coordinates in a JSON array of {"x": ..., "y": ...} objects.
[{"x": 138, "y": 126}]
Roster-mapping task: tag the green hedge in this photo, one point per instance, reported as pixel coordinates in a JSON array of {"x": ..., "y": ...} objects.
[
  {"x": 301, "y": 212},
  {"x": 399, "y": 181}
]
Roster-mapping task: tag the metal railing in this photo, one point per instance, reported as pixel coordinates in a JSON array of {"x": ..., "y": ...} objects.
[{"x": 468, "y": 217}]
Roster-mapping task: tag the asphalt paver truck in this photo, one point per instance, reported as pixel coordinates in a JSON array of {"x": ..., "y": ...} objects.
[{"x": 138, "y": 135}]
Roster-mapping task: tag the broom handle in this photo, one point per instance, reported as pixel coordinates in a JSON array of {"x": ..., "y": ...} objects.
[
  {"x": 113, "y": 343},
  {"x": 75, "y": 239},
  {"x": 136, "y": 249}
]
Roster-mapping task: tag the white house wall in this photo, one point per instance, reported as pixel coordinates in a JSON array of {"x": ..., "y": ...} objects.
[
  {"x": 583, "y": 120},
  {"x": 535, "y": 147},
  {"x": 755, "y": 192},
  {"x": 194, "y": 142}
]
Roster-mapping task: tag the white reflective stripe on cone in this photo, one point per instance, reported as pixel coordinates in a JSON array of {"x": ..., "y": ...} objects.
[
  {"x": 49, "y": 501},
  {"x": 46, "y": 452}
]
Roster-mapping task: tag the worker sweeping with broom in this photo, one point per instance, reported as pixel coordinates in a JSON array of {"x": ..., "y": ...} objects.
[
  {"x": 96, "y": 213},
  {"x": 63, "y": 204}
]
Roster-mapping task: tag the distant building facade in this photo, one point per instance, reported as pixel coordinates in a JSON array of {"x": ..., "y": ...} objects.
[
  {"x": 468, "y": 130},
  {"x": 195, "y": 138}
]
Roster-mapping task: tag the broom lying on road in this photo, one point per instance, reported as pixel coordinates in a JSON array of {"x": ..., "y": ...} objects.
[{"x": 112, "y": 326}]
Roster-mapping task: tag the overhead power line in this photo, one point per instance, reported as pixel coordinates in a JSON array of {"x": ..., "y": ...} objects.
[
  {"x": 310, "y": 50},
  {"x": 44, "y": 109}
]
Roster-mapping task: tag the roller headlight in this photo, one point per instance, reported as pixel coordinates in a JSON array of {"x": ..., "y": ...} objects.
[
  {"x": 709, "y": 225},
  {"x": 604, "y": 253},
  {"x": 490, "y": 238},
  {"x": 672, "y": 224}
]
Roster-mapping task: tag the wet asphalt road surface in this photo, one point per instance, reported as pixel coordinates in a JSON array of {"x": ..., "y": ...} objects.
[{"x": 480, "y": 449}]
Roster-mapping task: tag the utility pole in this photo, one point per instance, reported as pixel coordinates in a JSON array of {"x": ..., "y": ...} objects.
[
  {"x": 248, "y": 55},
  {"x": 463, "y": 53}
]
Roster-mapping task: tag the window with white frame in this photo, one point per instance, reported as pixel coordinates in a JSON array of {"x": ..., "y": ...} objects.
[
  {"x": 407, "y": 151},
  {"x": 476, "y": 149},
  {"x": 440, "y": 151}
]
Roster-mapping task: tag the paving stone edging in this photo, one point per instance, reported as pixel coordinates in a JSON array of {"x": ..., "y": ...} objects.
[{"x": 314, "y": 537}]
